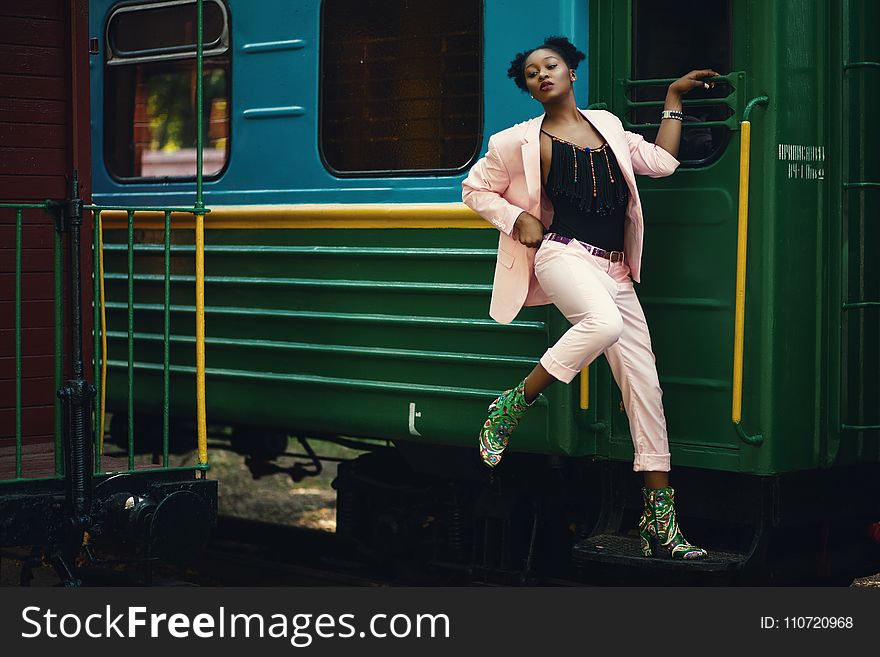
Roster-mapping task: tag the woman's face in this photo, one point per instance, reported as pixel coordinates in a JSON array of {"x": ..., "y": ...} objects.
[{"x": 547, "y": 76}]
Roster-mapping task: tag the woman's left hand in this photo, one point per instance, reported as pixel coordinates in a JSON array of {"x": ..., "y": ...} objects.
[{"x": 691, "y": 81}]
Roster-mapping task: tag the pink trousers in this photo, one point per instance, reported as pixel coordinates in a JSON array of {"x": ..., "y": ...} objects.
[{"x": 598, "y": 298}]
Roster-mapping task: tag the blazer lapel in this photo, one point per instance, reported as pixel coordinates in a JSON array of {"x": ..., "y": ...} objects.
[
  {"x": 597, "y": 121},
  {"x": 619, "y": 147},
  {"x": 531, "y": 157}
]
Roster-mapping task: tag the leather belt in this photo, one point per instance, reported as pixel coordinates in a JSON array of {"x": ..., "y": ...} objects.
[{"x": 613, "y": 256}]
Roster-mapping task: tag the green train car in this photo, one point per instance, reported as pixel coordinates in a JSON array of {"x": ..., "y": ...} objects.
[{"x": 347, "y": 287}]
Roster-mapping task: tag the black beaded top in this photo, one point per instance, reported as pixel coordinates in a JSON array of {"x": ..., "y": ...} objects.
[{"x": 588, "y": 193}]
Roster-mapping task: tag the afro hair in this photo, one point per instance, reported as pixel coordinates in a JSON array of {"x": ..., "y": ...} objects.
[{"x": 559, "y": 44}]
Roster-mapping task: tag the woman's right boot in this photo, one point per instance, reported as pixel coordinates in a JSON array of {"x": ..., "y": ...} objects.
[
  {"x": 658, "y": 527},
  {"x": 504, "y": 414}
]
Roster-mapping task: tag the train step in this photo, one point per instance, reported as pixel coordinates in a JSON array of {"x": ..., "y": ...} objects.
[{"x": 618, "y": 550}]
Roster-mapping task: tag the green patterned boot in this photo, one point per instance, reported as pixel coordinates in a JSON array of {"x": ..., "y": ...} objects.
[
  {"x": 504, "y": 415},
  {"x": 658, "y": 527},
  {"x": 645, "y": 521}
]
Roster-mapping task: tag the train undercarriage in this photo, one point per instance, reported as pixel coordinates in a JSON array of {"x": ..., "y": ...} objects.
[{"x": 540, "y": 519}]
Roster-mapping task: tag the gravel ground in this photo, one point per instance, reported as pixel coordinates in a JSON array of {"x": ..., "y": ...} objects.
[
  {"x": 873, "y": 581},
  {"x": 276, "y": 498}
]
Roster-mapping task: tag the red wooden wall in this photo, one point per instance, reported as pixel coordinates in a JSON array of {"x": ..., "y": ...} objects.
[{"x": 44, "y": 134}]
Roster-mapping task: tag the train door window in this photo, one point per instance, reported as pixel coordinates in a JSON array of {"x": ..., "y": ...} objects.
[
  {"x": 401, "y": 86},
  {"x": 150, "y": 91},
  {"x": 669, "y": 40}
]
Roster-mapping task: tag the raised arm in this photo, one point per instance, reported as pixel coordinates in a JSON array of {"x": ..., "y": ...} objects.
[{"x": 669, "y": 136}]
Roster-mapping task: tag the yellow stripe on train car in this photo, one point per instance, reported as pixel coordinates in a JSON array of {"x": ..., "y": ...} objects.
[{"x": 313, "y": 215}]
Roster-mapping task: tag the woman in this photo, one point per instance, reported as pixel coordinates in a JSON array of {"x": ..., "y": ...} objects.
[{"x": 561, "y": 190}]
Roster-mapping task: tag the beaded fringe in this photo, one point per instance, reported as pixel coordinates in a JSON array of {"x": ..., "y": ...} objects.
[{"x": 599, "y": 190}]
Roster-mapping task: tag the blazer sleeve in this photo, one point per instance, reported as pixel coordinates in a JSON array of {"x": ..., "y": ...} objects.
[
  {"x": 483, "y": 187},
  {"x": 649, "y": 159}
]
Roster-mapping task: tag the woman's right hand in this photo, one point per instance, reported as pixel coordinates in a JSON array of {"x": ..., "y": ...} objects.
[{"x": 529, "y": 229}]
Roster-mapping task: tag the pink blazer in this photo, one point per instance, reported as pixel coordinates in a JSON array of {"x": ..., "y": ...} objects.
[{"x": 508, "y": 180}]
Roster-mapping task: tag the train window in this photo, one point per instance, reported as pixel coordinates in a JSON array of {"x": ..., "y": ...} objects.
[
  {"x": 401, "y": 86},
  {"x": 668, "y": 41},
  {"x": 150, "y": 95},
  {"x": 160, "y": 29}
]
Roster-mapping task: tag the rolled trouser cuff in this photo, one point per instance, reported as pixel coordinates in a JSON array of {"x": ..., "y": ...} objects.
[
  {"x": 557, "y": 369},
  {"x": 651, "y": 463}
]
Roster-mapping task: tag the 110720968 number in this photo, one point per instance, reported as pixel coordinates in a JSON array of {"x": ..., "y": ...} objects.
[{"x": 807, "y": 623}]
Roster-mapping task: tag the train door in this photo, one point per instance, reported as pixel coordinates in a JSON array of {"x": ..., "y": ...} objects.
[{"x": 637, "y": 48}]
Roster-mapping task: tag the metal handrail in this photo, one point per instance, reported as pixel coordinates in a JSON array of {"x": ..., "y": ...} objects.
[
  {"x": 735, "y": 79},
  {"x": 741, "y": 252},
  {"x": 866, "y": 64},
  {"x": 200, "y": 250},
  {"x": 100, "y": 319}
]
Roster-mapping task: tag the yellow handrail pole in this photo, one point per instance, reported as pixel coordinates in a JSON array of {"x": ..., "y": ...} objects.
[
  {"x": 741, "y": 248},
  {"x": 200, "y": 339},
  {"x": 585, "y": 388},
  {"x": 742, "y": 243}
]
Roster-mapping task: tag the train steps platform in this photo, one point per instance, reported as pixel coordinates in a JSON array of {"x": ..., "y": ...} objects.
[
  {"x": 38, "y": 462},
  {"x": 614, "y": 549},
  {"x": 618, "y": 558}
]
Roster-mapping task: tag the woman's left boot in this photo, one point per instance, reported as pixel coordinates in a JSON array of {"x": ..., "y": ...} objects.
[
  {"x": 658, "y": 527},
  {"x": 504, "y": 415}
]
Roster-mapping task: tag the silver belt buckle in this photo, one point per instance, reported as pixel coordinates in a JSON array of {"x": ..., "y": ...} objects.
[{"x": 619, "y": 258}]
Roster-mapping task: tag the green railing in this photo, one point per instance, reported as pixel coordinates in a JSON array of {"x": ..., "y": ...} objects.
[
  {"x": 735, "y": 100},
  {"x": 100, "y": 333},
  {"x": 19, "y": 208}
]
